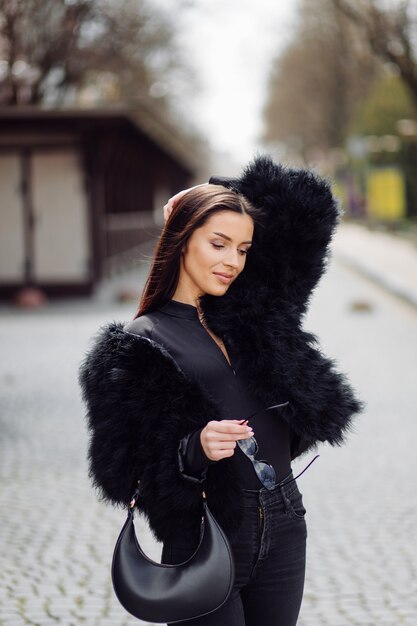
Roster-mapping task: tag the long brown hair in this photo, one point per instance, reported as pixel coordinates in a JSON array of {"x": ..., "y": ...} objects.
[{"x": 190, "y": 212}]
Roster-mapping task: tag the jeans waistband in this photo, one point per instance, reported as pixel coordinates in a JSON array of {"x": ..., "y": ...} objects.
[
  {"x": 282, "y": 490},
  {"x": 257, "y": 495}
]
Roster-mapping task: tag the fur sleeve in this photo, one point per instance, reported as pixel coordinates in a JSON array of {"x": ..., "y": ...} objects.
[
  {"x": 300, "y": 215},
  {"x": 139, "y": 407},
  {"x": 323, "y": 402},
  {"x": 119, "y": 445}
]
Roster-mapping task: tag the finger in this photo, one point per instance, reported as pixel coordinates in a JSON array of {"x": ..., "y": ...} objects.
[
  {"x": 167, "y": 211},
  {"x": 230, "y": 426},
  {"x": 225, "y": 439},
  {"x": 217, "y": 435},
  {"x": 228, "y": 444},
  {"x": 174, "y": 199}
]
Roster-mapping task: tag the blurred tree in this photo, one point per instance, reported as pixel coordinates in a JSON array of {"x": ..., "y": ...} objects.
[
  {"x": 113, "y": 50},
  {"x": 316, "y": 83},
  {"x": 390, "y": 31},
  {"x": 388, "y": 102}
]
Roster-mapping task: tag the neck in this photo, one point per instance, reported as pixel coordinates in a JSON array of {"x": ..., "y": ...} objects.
[{"x": 187, "y": 299}]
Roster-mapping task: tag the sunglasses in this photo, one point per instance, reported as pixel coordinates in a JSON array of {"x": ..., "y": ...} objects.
[
  {"x": 249, "y": 446},
  {"x": 264, "y": 470}
]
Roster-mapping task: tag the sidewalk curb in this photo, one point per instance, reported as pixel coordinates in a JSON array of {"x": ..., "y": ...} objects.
[{"x": 382, "y": 281}]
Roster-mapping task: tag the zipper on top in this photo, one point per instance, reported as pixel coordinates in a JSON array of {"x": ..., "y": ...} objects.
[{"x": 220, "y": 350}]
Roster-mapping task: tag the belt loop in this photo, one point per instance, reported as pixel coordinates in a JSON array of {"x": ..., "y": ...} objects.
[{"x": 286, "y": 499}]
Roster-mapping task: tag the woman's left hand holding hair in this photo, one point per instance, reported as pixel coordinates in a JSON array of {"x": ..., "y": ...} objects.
[{"x": 174, "y": 199}]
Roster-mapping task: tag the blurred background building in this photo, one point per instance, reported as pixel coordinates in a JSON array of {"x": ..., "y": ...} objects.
[{"x": 81, "y": 190}]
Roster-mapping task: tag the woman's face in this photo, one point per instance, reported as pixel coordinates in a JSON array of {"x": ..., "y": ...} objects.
[{"x": 215, "y": 254}]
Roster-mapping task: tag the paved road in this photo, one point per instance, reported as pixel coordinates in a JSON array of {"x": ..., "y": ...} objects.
[
  {"x": 57, "y": 540},
  {"x": 362, "y": 510}
]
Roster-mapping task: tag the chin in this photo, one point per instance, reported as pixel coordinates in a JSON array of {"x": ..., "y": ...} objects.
[{"x": 218, "y": 290}]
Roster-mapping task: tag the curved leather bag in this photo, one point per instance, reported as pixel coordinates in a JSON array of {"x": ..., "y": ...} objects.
[{"x": 161, "y": 593}]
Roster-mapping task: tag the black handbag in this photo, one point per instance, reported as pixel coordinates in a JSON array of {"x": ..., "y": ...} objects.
[{"x": 161, "y": 593}]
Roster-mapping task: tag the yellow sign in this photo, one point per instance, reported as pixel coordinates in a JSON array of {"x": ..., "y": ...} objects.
[{"x": 385, "y": 193}]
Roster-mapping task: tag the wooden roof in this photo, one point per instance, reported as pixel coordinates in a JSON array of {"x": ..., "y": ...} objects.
[{"x": 141, "y": 118}]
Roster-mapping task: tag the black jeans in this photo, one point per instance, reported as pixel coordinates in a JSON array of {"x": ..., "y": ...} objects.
[{"x": 270, "y": 556}]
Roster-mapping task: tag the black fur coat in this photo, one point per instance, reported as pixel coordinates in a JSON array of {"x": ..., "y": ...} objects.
[{"x": 140, "y": 404}]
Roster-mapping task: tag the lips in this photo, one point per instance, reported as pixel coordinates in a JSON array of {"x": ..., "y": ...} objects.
[{"x": 224, "y": 278}]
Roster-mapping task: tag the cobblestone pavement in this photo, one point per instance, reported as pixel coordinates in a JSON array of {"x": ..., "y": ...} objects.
[
  {"x": 57, "y": 539},
  {"x": 360, "y": 498}
]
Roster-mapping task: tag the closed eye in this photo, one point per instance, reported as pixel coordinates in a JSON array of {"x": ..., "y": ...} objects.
[{"x": 218, "y": 246}]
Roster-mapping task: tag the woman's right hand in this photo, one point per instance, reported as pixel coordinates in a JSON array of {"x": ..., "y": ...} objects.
[
  {"x": 218, "y": 438},
  {"x": 168, "y": 207}
]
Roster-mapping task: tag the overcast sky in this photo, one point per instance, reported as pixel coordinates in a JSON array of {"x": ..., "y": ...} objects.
[{"x": 231, "y": 43}]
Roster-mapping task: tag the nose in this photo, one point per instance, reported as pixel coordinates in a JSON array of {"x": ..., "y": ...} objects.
[{"x": 232, "y": 259}]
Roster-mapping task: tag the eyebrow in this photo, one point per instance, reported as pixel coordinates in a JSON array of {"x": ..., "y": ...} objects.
[{"x": 228, "y": 238}]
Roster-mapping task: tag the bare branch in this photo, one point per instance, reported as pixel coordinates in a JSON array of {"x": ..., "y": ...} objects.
[
  {"x": 388, "y": 34},
  {"x": 58, "y": 44}
]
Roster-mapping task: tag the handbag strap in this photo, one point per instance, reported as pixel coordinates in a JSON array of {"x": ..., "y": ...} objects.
[{"x": 135, "y": 498}]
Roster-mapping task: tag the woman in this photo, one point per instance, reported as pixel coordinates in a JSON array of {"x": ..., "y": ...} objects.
[{"x": 218, "y": 337}]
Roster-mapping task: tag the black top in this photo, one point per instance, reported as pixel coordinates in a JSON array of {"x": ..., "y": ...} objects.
[{"x": 177, "y": 327}]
